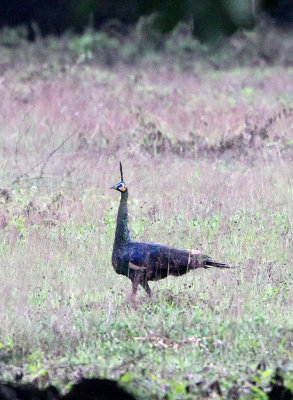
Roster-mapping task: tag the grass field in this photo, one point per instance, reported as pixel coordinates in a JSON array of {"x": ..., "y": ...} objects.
[{"x": 207, "y": 157}]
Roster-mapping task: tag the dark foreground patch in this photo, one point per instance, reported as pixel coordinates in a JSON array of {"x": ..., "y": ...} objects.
[
  {"x": 278, "y": 390},
  {"x": 86, "y": 389},
  {"x": 106, "y": 389},
  {"x": 274, "y": 389}
]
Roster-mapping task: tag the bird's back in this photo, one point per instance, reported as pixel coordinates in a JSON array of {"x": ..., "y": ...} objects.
[{"x": 160, "y": 260}]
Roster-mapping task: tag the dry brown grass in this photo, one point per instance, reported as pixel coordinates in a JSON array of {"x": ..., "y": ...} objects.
[{"x": 61, "y": 302}]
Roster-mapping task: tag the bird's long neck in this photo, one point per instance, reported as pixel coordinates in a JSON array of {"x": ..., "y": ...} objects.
[{"x": 122, "y": 234}]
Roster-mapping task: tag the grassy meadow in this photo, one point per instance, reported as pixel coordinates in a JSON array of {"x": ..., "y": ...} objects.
[{"x": 207, "y": 157}]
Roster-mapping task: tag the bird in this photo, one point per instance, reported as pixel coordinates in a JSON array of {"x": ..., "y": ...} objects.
[{"x": 142, "y": 262}]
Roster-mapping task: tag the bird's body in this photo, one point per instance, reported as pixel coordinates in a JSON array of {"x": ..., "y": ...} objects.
[{"x": 146, "y": 261}]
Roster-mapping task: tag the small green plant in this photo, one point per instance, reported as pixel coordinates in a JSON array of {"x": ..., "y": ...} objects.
[
  {"x": 19, "y": 223},
  {"x": 34, "y": 361},
  {"x": 93, "y": 45}
]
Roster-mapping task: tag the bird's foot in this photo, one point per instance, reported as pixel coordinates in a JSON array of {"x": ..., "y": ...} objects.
[
  {"x": 153, "y": 298},
  {"x": 132, "y": 300}
]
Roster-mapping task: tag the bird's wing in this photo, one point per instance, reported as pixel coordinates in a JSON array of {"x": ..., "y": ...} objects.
[
  {"x": 155, "y": 255},
  {"x": 137, "y": 253}
]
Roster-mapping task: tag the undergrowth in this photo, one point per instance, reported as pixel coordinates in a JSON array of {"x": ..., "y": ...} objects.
[{"x": 207, "y": 157}]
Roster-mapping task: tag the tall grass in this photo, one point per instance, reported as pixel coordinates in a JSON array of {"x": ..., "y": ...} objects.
[{"x": 63, "y": 310}]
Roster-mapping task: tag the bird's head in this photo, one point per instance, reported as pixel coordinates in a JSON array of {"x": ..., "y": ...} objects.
[{"x": 120, "y": 186}]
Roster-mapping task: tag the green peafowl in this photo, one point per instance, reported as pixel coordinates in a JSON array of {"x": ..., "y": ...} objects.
[{"x": 145, "y": 261}]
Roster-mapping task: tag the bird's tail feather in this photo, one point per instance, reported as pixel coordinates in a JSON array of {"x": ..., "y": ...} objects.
[{"x": 211, "y": 263}]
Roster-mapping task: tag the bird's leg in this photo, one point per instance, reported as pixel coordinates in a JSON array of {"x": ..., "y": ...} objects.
[
  {"x": 135, "y": 283},
  {"x": 146, "y": 287}
]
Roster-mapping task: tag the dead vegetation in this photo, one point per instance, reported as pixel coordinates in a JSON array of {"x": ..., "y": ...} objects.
[{"x": 248, "y": 142}]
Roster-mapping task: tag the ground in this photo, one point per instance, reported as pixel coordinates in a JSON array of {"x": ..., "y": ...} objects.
[{"x": 207, "y": 157}]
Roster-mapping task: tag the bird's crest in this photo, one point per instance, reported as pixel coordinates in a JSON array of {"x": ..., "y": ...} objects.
[{"x": 121, "y": 172}]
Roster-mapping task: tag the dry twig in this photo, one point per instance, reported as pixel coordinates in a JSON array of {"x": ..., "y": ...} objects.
[{"x": 44, "y": 162}]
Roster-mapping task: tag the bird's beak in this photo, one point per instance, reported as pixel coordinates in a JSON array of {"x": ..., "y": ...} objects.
[{"x": 113, "y": 187}]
